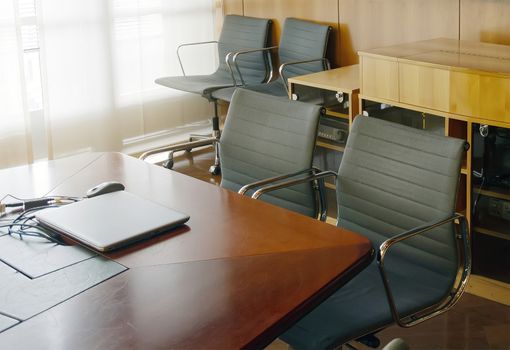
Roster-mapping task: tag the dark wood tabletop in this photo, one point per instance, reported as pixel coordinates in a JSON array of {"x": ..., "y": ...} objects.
[{"x": 236, "y": 276}]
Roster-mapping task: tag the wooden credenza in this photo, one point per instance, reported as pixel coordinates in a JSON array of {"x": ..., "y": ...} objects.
[
  {"x": 465, "y": 86},
  {"x": 470, "y": 81}
]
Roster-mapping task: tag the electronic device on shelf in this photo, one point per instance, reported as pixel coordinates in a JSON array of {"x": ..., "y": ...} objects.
[
  {"x": 493, "y": 156},
  {"x": 333, "y": 129}
]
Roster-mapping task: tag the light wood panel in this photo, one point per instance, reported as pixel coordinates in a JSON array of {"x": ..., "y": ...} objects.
[
  {"x": 485, "y": 20},
  {"x": 446, "y": 75},
  {"x": 379, "y": 77},
  {"x": 481, "y": 95},
  {"x": 345, "y": 79},
  {"x": 414, "y": 80},
  {"x": 322, "y": 11},
  {"x": 366, "y": 24},
  {"x": 490, "y": 289},
  {"x": 233, "y": 7}
]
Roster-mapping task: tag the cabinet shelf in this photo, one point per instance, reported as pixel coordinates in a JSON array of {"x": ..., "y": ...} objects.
[
  {"x": 493, "y": 192},
  {"x": 330, "y": 186},
  {"x": 336, "y": 114},
  {"x": 493, "y": 226},
  {"x": 489, "y": 232},
  {"x": 330, "y": 146}
]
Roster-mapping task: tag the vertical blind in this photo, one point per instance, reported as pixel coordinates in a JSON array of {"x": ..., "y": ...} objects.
[{"x": 78, "y": 75}]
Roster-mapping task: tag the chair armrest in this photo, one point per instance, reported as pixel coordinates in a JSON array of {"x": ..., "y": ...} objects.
[
  {"x": 284, "y": 65},
  {"x": 293, "y": 182},
  {"x": 191, "y": 44},
  {"x": 236, "y": 54},
  {"x": 319, "y": 187},
  {"x": 269, "y": 180},
  {"x": 464, "y": 268}
]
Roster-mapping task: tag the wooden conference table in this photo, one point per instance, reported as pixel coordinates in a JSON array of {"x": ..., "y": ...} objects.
[{"x": 237, "y": 275}]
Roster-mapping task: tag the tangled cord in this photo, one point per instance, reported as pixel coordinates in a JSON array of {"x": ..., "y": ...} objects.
[{"x": 25, "y": 224}]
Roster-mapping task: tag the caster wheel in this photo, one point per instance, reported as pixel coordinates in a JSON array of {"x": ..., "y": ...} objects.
[
  {"x": 169, "y": 164},
  {"x": 215, "y": 170}
]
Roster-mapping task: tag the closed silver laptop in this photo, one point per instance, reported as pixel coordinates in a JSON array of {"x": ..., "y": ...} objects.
[{"x": 111, "y": 220}]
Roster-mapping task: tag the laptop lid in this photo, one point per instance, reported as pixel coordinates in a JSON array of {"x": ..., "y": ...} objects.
[{"x": 111, "y": 220}]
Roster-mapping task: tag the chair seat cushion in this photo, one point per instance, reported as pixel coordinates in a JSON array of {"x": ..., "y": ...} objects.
[
  {"x": 199, "y": 84},
  {"x": 361, "y": 306},
  {"x": 274, "y": 88},
  {"x": 224, "y": 94}
]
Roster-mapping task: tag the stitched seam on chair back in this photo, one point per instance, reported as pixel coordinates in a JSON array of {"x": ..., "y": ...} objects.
[
  {"x": 390, "y": 184},
  {"x": 264, "y": 137}
]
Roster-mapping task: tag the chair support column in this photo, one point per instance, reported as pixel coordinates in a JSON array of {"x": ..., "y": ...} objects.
[
  {"x": 216, "y": 134},
  {"x": 195, "y": 141}
]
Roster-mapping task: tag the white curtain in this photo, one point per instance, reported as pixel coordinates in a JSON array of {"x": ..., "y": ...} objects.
[
  {"x": 98, "y": 61},
  {"x": 14, "y": 141}
]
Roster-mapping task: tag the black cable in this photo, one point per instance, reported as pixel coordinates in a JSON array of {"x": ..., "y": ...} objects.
[
  {"x": 39, "y": 234},
  {"x": 20, "y": 224},
  {"x": 475, "y": 201},
  {"x": 23, "y": 201},
  {"x": 22, "y": 221},
  {"x": 13, "y": 205}
]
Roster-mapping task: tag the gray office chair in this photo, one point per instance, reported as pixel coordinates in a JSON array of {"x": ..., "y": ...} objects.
[
  {"x": 397, "y": 186},
  {"x": 238, "y": 33},
  {"x": 302, "y": 51},
  {"x": 266, "y": 139}
]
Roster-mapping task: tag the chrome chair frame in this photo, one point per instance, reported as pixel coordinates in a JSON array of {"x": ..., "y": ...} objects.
[
  {"x": 464, "y": 270},
  {"x": 281, "y": 68},
  {"x": 196, "y": 44},
  {"x": 243, "y": 52},
  {"x": 314, "y": 175},
  {"x": 463, "y": 250},
  {"x": 196, "y": 140}
]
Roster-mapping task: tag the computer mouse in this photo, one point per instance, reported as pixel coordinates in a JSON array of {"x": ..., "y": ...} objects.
[{"x": 105, "y": 187}]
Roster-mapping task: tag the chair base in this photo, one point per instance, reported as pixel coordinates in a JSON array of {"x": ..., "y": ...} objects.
[
  {"x": 186, "y": 146},
  {"x": 195, "y": 141},
  {"x": 198, "y": 137},
  {"x": 198, "y": 141},
  {"x": 215, "y": 169}
]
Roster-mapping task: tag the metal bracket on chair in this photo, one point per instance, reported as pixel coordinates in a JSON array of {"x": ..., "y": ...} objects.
[
  {"x": 464, "y": 269},
  {"x": 180, "y": 147},
  {"x": 243, "y": 52},
  {"x": 269, "y": 180},
  {"x": 284, "y": 65},
  {"x": 293, "y": 182},
  {"x": 191, "y": 44},
  {"x": 314, "y": 176}
]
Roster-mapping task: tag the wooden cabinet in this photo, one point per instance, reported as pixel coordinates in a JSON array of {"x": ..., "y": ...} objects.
[
  {"x": 464, "y": 87},
  {"x": 379, "y": 77}
]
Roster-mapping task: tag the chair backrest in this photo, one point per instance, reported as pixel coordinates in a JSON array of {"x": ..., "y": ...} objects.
[
  {"x": 394, "y": 178},
  {"x": 239, "y": 33},
  {"x": 265, "y": 136},
  {"x": 302, "y": 40}
]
